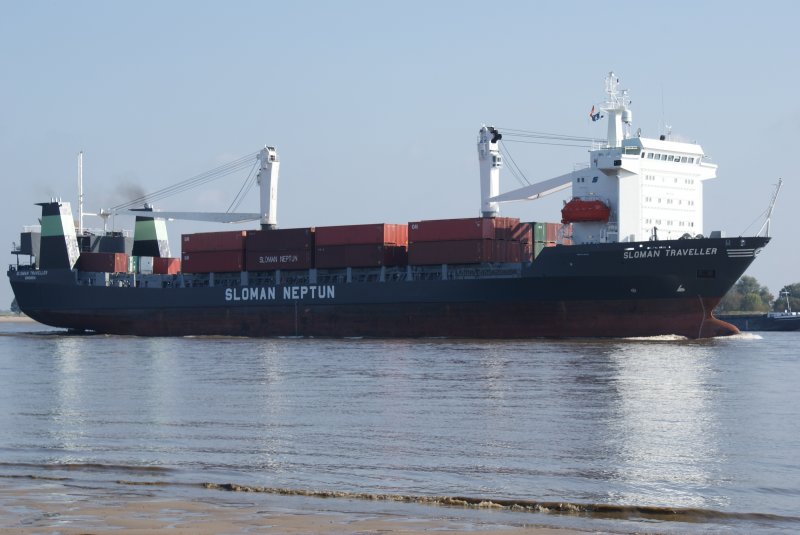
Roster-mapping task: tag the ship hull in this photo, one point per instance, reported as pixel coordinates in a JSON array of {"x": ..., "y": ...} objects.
[{"x": 602, "y": 290}]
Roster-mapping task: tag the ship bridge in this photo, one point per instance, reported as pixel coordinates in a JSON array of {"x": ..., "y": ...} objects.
[{"x": 652, "y": 188}]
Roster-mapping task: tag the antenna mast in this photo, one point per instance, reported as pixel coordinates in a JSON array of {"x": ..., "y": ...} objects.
[
  {"x": 80, "y": 193},
  {"x": 769, "y": 210}
]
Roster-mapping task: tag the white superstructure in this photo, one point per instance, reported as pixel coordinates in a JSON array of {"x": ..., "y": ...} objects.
[{"x": 652, "y": 187}]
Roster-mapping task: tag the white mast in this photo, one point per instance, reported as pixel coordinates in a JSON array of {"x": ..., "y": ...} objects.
[
  {"x": 80, "y": 193},
  {"x": 490, "y": 162},
  {"x": 616, "y": 106},
  {"x": 769, "y": 210},
  {"x": 268, "y": 182}
]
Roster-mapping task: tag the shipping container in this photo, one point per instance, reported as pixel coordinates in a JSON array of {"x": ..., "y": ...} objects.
[
  {"x": 475, "y": 228},
  {"x": 145, "y": 265},
  {"x": 547, "y": 232},
  {"x": 103, "y": 262},
  {"x": 526, "y": 251},
  {"x": 463, "y": 252},
  {"x": 213, "y": 261},
  {"x": 507, "y": 251},
  {"x": 213, "y": 241},
  {"x": 515, "y": 231},
  {"x": 269, "y": 260},
  {"x": 376, "y": 234},
  {"x": 166, "y": 266},
  {"x": 362, "y": 255},
  {"x": 509, "y": 228},
  {"x": 285, "y": 239}
]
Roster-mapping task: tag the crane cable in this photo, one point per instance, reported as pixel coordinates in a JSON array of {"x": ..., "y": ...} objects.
[
  {"x": 514, "y": 168},
  {"x": 190, "y": 183},
  {"x": 247, "y": 185}
]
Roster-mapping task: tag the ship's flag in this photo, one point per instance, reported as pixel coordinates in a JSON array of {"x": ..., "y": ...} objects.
[{"x": 594, "y": 116}]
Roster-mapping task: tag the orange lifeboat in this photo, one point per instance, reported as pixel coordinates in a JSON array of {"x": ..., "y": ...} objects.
[{"x": 578, "y": 211}]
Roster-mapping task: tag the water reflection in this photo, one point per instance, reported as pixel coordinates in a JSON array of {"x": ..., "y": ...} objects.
[
  {"x": 69, "y": 411},
  {"x": 633, "y": 422},
  {"x": 664, "y": 424}
]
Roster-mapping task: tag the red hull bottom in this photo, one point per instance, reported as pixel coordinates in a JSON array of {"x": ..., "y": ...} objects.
[{"x": 557, "y": 319}]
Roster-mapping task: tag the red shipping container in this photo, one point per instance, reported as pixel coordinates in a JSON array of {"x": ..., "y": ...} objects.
[
  {"x": 269, "y": 260},
  {"x": 451, "y": 229},
  {"x": 476, "y": 228},
  {"x": 379, "y": 233},
  {"x": 103, "y": 262},
  {"x": 284, "y": 239},
  {"x": 213, "y": 261},
  {"x": 369, "y": 255},
  {"x": 213, "y": 241},
  {"x": 526, "y": 251},
  {"x": 551, "y": 231},
  {"x": 166, "y": 266},
  {"x": 453, "y": 252},
  {"x": 507, "y": 251},
  {"x": 516, "y": 231},
  {"x": 507, "y": 228}
]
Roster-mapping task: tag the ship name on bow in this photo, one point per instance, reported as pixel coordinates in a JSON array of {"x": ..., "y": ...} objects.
[
  {"x": 285, "y": 293},
  {"x": 668, "y": 253}
]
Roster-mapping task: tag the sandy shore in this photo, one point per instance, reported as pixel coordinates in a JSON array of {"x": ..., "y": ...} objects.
[
  {"x": 56, "y": 508},
  {"x": 16, "y": 319}
]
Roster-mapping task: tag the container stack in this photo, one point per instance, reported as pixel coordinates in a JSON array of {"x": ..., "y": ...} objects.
[
  {"x": 103, "y": 262},
  {"x": 218, "y": 252},
  {"x": 373, "y": 245},
  {"x": 166, "y": 266},
  {"x": 546, "y": 235},
  {"x": 468, "y": 241},
  {"x": 291, "y": 248}
]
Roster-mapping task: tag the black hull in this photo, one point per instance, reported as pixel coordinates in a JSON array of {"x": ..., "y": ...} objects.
[{"x": 603, "y": 290}]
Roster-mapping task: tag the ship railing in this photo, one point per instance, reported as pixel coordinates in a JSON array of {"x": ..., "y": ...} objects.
[
  {"x": 299, "y": 277},
  {"x": 21, "y": 267},
  {"x": 509, "y": 271},
  {"x": 125, "y": 233}
]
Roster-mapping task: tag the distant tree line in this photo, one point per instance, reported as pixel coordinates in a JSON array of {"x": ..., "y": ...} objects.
[{"x": 747, "y": 295}]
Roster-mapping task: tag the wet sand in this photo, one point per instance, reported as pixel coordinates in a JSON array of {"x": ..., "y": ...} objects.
[
  {"x": 16, "y": 319},
  {"x": 57, "y": 508}
]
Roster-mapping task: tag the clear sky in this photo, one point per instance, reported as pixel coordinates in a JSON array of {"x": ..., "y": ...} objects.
[{"x": 374, "y": 107}]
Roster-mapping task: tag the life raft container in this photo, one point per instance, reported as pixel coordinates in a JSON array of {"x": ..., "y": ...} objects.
[{"x": 578, "y": 210}]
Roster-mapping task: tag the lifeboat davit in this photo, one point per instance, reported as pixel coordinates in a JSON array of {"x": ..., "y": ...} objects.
[{"x": 578, "y": 210}]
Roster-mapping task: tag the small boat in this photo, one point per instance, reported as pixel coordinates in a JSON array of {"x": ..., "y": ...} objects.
[{"x": 771, "y": 321}]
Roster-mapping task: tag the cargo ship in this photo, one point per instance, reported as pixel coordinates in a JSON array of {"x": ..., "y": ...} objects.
[{"x": 628, "y": 258}]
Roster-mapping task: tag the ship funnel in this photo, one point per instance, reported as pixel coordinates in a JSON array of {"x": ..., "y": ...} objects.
[
  {"x": 150, "y": 234},
  {"x": 59, "y": 244},
  {"x": 490, "y": 161}
]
